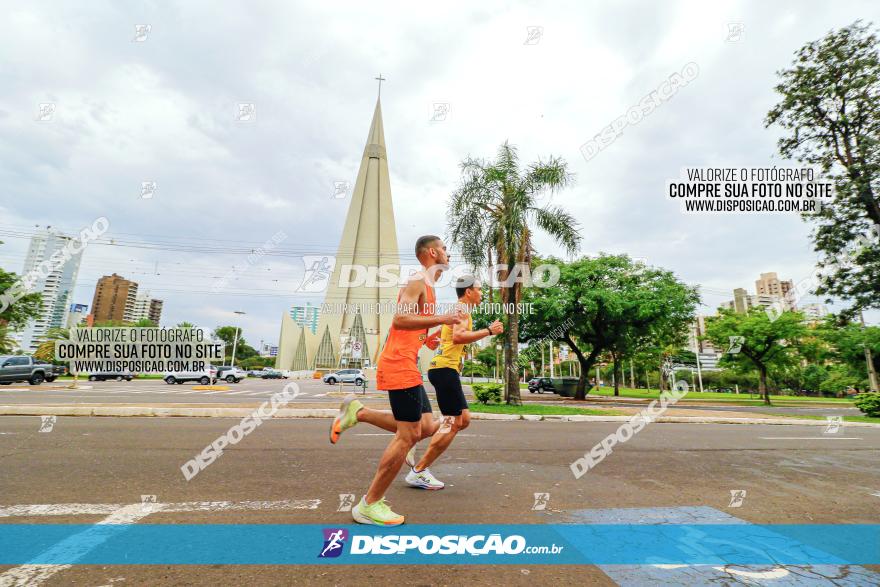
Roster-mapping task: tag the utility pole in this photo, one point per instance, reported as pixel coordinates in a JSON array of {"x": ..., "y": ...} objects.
[
  {"x": 869, "y": 359},
  {"x": 552, "y": 374},
  {"x": 632, "y": 375},
  {"x": 235, "y": 339},
  {"x": 697, "y": 354}
]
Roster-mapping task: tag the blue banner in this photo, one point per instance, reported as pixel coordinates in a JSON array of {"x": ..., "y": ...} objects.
[{"x": 473, "y": 544}]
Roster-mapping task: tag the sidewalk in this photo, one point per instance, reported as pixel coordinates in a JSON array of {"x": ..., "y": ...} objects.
[{"x": 306, "y": 410}]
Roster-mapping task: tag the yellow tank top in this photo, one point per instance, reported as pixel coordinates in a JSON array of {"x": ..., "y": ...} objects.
[{"x": 451, "y": 356}]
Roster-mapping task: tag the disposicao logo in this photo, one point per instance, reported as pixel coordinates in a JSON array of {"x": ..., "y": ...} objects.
[{"x": 334, "y": 542}]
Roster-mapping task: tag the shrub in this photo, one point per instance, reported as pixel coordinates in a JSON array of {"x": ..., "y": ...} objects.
[
  {"x": 487, "y": 393},
  {"x": 869, "y": 403}
]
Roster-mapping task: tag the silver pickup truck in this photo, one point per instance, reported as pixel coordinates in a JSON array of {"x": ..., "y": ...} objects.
[{"x": 15, "y": 368}]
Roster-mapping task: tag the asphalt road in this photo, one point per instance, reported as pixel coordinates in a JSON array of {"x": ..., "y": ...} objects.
[
  {"x": 253, "y": 391},
  {"x": 791, "y": 474},
  {"x": 153, "y": 391}
]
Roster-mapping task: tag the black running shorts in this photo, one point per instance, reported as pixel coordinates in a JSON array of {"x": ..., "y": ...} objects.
[
  {"x": 409, "y": 404},
  {"x": 450, "y": 395}
]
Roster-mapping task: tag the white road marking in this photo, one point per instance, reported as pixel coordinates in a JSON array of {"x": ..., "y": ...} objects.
[
  {"x": 76, "y": 546},
  {"x": 92, "y": 509},
  {"x": 120, "y": 515},
  {"x": 320, "y": 394},
  {"x": 876, "y": 494},
  {"x": 239, "y": 392},
  {"x": 809, "y": 438}
]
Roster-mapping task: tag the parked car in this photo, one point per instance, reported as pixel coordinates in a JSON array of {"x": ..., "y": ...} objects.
[
  {"x": 356, "y": 376},
  {"x": 115, "y": 375},
  {"x": 24, "y": 368},
  {"x": 541, "y": 384},
  {"x": 230, "y": 374},
  {"x": 205, "y": 377},
  {"x": 273, "y": 374}
]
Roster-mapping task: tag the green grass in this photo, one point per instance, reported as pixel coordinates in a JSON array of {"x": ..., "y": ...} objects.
[
  {"x": 845, "y": 418},
  {"x": 739, "y": 399},
  {"x": 539, "y": 409}
]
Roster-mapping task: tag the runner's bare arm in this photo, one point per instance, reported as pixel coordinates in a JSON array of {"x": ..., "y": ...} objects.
[
  {"x": 461, "y": 334},
  {"x": 407, "y": 316}
]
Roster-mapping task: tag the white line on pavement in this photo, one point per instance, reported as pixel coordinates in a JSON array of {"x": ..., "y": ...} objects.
[
  {"x": 83, "y": 509},
  {"x": 76, "y": 546},
  {"x": 809, "y": 438}
]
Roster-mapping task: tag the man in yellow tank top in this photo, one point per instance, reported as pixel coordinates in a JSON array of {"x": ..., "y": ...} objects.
[{"x": 444, "y": 376}]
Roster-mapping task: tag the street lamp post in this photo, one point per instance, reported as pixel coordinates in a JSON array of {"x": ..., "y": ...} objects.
[{"x": 235, "y": 339}]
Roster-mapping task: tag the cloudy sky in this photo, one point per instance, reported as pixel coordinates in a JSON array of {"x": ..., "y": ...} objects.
[{"x": 163, "y": 108}]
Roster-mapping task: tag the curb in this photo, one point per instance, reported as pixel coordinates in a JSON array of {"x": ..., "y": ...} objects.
[{"x": 225, "y": 412}]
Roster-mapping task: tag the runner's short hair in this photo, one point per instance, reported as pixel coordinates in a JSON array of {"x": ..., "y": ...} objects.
[
  {"x": 464, "y": 283},
  {"x": 424, "y": 242}
]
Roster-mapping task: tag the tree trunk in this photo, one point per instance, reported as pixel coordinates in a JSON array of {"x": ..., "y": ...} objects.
[
  {"x": 585, "y": 364},
  {"x": 511, "y": 383},
  {"x": 762, "y": 384},
  {"x": 616, "y": 367}
]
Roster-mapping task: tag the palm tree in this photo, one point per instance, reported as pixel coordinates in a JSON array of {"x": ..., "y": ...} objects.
[
  {"x": 494, "y": 212},
  {"x": 46, "y": 350}
]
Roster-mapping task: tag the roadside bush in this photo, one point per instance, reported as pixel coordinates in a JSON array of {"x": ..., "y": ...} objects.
[
  {"x": 487, "y": 393},
  {"x": 869, "y": 403}
]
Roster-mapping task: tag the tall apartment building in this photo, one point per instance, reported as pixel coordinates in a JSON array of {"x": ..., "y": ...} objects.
[
  {"x": 54, "y": 281},
  {"x": 769, "y": 284},
  {"x": 146, "y": 307},
  {"x": 306, "y": 316},
  {"x": 115, "y": 299},
  {"x": 743, "y": 301},
  {"x": 814, "y": 312}
]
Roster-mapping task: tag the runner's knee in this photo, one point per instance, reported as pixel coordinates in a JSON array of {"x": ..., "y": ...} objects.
[
  {"x": 464, "y": 421},
  {"x": 410, "y": 434}
]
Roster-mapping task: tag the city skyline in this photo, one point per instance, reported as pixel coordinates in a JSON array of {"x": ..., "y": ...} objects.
[{"x": 213, "y": 184}]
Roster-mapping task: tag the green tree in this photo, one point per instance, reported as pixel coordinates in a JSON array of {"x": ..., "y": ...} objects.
[
  {"x": 487, "y": 356},
  {"x": 185, "y": 325},
  {"x": 609, "y": 304},
  {"x": 831, "y": 109},
  {"x": 846, "y": 344},
  {"x": 242, "y": 349},
  {"x": 764, "y": 343},
  {"x": 493, "y": 215},
  {"x": 16, "y": 313}
]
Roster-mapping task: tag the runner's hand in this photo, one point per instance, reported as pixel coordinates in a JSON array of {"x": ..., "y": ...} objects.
[
  {"x": 433, "y": 340},
  {"x": 496, "y": 327}
]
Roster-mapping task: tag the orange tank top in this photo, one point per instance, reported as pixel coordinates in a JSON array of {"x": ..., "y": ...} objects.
[{"x": 398, "y": 365}]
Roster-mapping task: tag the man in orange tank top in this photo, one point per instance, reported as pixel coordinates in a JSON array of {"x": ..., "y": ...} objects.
[{"x": 398, "y": 372}]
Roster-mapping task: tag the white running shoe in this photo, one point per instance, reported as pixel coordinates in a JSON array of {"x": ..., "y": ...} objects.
[
  {"x": 423, "y": 479},
  {"x": 411, "y": 457}
]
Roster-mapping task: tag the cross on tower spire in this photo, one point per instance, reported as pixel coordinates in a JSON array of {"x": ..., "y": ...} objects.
[{"x": 381, "y": 79}]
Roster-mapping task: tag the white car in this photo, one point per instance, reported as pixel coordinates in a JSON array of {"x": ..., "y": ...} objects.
[
  {"x": 205, "y": 377},
  {"x": 230, "y": 374},
  {"x": 355, "y": 376}
]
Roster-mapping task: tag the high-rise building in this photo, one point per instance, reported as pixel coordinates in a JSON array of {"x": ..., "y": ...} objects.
[
  {"x": 115, "y": 299},
  {"x": 306, "y": 316},
  {"x": 155, "y": 313},
  {"x": 814, "y": 312},
  {"x": 743, "y": 301},
  {"x": 54, "y": 279},
  {"x": 769, "y": 284},
  {"x": 77, "y": 315},
  {"x": 146, "y": 307},
  {"x": 369, "y": 239}
]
